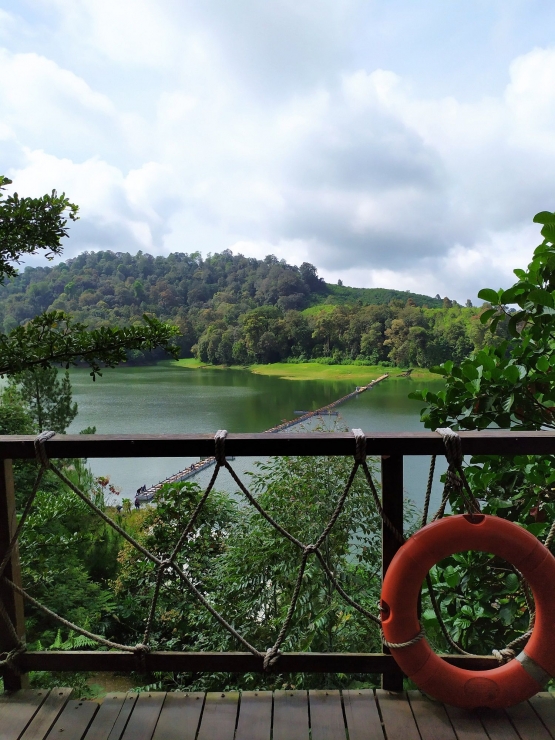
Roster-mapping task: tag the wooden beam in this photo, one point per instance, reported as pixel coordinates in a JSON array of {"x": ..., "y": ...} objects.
[
  {"x": 13, "y": 603},
  {"x": 65, "y": 660},
  {"x": 489, "y": 442},
  {"x": 392, "y": 503}
]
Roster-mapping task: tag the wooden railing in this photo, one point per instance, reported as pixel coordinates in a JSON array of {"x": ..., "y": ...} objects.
[{"x": 389, "y": 447}]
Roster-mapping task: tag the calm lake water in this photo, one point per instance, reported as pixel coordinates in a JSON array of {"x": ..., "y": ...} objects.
[{"x": 166, "y": 399}]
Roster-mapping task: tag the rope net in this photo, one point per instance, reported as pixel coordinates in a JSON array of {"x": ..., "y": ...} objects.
[{"x": 168, "y": 567}]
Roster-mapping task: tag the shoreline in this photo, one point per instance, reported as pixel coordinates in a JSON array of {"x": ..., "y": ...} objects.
[{"x": 360, "y": 374}]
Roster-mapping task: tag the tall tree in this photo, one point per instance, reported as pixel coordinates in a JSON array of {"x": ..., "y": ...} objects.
[{"x": 48, "y": 398}]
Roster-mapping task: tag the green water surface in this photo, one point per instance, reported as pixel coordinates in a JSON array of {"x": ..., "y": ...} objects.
[{"x": 166, "y": 399}]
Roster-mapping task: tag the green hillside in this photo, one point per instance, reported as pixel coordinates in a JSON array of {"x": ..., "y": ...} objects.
[{"x": 237, "y": 310}]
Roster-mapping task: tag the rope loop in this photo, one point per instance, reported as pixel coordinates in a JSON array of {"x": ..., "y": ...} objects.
[
  {"x": 309, "y": 549},
  {"x": 141, "y": 651},
  {"x": 408, "y": 643},
  {"x": 40, "y": 452},
  {"x": 505, "y": 655},
  {"x": 360, "y": 442},
  {"x": 453, "y": 446},
  {"x": 271, "y": 657},
  {"x": 9, "y": 659},
  {"x": 219, "y": 442}
]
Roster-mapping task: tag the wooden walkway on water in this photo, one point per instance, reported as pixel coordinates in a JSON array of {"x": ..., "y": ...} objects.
[
  {"x": 263, "y": 715},
  {"x": 198, "y": 467}
]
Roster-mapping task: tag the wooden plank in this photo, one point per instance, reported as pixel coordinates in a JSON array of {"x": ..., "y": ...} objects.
[
  {"x": 497, "y": 724},
  {"x": 255, "y": 716},
  {"x": 180, "y": 716},
  {"x": 12, "y": 601},
  {"x": 392, "y": 504},
  {"x": 90, "y": 660},
  {"x": 123, "y": 717},
  {"x": 490, "y": 442},
  {"x": 144, "y": 716},
  {"x": 326, "y": 715},
  {"x": 47, "y": 714},
  {"x": 466, "y": 723},
  {"x": 74, "y": 720},
  {"x": 527, "y": 723},
  {"x": 219, "y": 716},
  {"x": 105, "y": 719},
  {"x": 17, "y": 710},
  {"x": 544, "y": 706},
  {"x": 397, "y": 715},
  {"x": 290, "y": 715},
  {"x": 431, "y": 718},
  {"x": 361, "y": 712}
]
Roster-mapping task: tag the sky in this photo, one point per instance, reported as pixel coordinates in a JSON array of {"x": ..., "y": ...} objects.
[{"x": 392, "y": 143}]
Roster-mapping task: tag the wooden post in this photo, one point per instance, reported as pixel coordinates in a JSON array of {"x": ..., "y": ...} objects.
[
  {"x": 392, "y": 502},
  {"x": 13, "y": 602}
]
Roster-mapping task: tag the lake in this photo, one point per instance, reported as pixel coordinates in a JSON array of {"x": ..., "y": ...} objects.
[{"x": 166, "y": 399}]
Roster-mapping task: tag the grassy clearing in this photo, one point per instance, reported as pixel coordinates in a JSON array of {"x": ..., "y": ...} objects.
[
  {"x": 320, "y": 308},
  {"x": 190, "y": 363},
  {"x": 358, "y": 374}
]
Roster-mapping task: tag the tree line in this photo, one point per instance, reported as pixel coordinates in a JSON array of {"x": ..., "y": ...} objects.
[{"x": 231, "y": 309}]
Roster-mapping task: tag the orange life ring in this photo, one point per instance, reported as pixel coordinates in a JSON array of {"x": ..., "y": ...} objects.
[{"x": 506, "y": 685}]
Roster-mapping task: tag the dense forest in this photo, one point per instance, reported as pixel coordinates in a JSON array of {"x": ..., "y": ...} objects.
[{"x": 236, "y": 310}]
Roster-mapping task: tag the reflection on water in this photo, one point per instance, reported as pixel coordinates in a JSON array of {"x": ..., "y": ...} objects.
[{"x": 164, "y": 399}]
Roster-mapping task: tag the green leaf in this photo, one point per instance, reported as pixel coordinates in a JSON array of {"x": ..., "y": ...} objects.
[
  {"x": 507, "y": 613},
  {"x": 544, "y": 217},
  {"x": 511, "y": 373},
  {"x": 548, "y": 232},
  {"x": 541, "y": 297},
  {"x": 489, "y": 295},
  {"x": 521, "y": 274},
  {"x": 513, "y": 324},
  {"x": 510, "y": 295},
  {"x": 486, "y": 316},
  {"x": 470, "y": 371},
  {"x": 451, "y": 576},
  {"x": 542, "y": 364},
  {"x": 511, "y": 582}
]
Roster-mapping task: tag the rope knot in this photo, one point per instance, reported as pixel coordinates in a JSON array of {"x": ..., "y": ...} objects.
[
  {"x": 9, "y": 659},
  {"x": 309, "y": 549},
  {"x": 453, "y": 446},
  {"x": 360, "y": 445},
  {"x": 219, "y": 442},
  {"x": 271, "y": 657},
  {"x": 141, "y": 651},
  {"x": 505, "y": 655},
  {"x": 40, "y": 452}
]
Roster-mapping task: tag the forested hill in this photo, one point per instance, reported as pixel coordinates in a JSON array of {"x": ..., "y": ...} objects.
[
  {"x": 234, "y": 309},
  {"x": 106, "y": 285}
]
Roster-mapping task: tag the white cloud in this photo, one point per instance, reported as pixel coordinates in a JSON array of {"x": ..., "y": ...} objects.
[{"x": 249, "y": 126}]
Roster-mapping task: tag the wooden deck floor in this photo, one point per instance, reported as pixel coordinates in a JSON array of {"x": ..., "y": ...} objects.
[{"x": 283, "y": 715}]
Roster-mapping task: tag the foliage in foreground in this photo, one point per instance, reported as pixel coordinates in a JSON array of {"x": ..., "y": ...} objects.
[
  {"x": 27, "y": 227},
  {"x": 248, "y": 571},
  {"x": 511, "y": 386}
]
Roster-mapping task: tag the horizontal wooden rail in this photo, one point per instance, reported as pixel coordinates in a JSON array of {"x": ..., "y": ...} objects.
[
  {"x": 490, "y": 442},
  {"x": 229, "y": 662}
]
